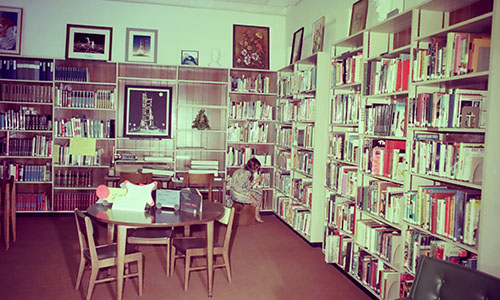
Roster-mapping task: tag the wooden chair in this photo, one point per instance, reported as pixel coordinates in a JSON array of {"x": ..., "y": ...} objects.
[
  {"x": 205, "y": 181},
  {"x": 148, "y": 236},
  {"x": 104, "y": 256},
  {"x": 8, "y": 196},
  {"x": 195, "y": 246}
]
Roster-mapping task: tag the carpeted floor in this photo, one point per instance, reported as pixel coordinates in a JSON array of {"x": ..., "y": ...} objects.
[{"x": 268, "y": 261}]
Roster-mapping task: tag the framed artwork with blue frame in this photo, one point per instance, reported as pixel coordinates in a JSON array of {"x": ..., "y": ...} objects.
[{"x": 141, "y": 45}]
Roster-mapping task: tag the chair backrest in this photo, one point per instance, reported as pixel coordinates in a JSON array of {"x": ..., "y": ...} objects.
[
  {"x": 200, "y": 180},
  {"x": 438, "y": 279},
  {"x": 8, "y": 198},
  {"x": 85, "y": 234},
  {"x": 136, "y": 178},
  {"x": 227, "y": 219}
]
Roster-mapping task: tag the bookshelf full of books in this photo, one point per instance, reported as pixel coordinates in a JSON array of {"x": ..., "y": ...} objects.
[
  {"x": 419, "y": 144},
  {"x": 302, "y": 108},
  {"x": 251, "y": 130}
]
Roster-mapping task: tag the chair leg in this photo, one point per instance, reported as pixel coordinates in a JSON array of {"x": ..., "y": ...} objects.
[
  {"x": 6, "y": 228},
  {"x": 227, "y": 266},
  {"x": 187, "y": 265},
  {"x": 140, "y": 269},
  {"x": 13, "y": 218},
  {"x": 93, "y": 277},
  {"x": 168, "y": 259},
  {"x": 172, "y": 260},
  {"x": 81, "y": 268}
]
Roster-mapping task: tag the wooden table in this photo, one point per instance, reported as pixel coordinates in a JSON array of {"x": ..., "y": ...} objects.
[{"x": 157, "y": 218}]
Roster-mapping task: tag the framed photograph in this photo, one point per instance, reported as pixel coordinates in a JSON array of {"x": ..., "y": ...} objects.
[
  {"x": 189, "y": 57},
  {"x": 11, "y": 23},
  {"x": 141, "y": 45},
  {"x": 297, "y": 45},
  {"x": 358, "y": 16},
  {"x": 250, "y": 47},
  {"x": 317, "y": 35},
  {"x": 88, "y": 42},
  {"x": 148, "y": 112}
]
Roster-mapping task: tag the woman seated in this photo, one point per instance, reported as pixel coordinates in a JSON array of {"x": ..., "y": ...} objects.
[{"x": 244, "y": 186}]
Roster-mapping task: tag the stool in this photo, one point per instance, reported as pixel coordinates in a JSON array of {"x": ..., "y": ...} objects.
[{"x": 244, "y": 213}]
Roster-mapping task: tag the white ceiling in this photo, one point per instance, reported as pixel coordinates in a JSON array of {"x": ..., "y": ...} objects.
[{"x": 273, "y": 7}]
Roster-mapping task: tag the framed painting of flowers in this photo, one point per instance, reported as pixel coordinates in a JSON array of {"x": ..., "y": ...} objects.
[{"x": 250, "y": 47}]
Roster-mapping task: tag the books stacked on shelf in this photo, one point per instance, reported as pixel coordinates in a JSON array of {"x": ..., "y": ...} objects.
[
  {"x": 239, "y": 156},
  {"x": 386, "y": 119},
  {"x": 341, "y": 213},
  {"x": 66, "y": 96},
  {"x": 67, "y": 201},
  {"x": 25, "y": 118},
  {"x": 32, "y": 202},
  {"x": 459, "y": 108},
  {"x": 251, "y": 110},
  {"x": 287, "y": 111},
  {"x": 62, "y": 157},
  {"x": 384, "y": 158},
  {"x": 445, "y": 212},
  {"x": 304, "y": 135},
  {"x": 284, "y": 137},
  {"x": 74, "y": 178},
  {"x": 302, "y": 191},
  {"x": 345, "y": 108},
  {"x": 26, "y": 69},
  {"x": 342, "y": 178},
  {"x": 336, "y": 145},
  {"x": 294, "y": 214},
  {"x": 456, "y": 156},
  {"x": 254, "y": 84},
  {"x": 387, "y": 75},
  {"x": 305, "y": 80},
  {"x": 157, "y": 171},
  {"x": 457, "y": 54},
  {"x": 381, "y": 239},
  {"x": 204, "y": 167},
  {"x": 346, "y": 71},
  {"x": 303, "y": 161},
  {"x": 38, "y": 146},
  {"x": 27, "y": 172},
  {"x": 264, "y": 181},
  {"x": 250, "y": 132},
  {"x": 282, "y": 182},
  {"x": 305, "y": 110},
  {"x": 406, "y": 282},
  {"x": 338, "y": 249},
  {"x": 15, "y": 92},
  {"x": 159, "y": 159},
  {"x": 64, "y": 73},
  {"x": 381, "y": 198},
  {"x": 84, "y": 127},
  {"x": 284, "y": 159},
  {"x": 285, "y": 86}
]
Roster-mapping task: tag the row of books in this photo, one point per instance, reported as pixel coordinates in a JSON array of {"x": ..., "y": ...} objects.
[
  {"x": 239, "y": 156},
  {"x": 26, "y": 93},
  {"x": 27, "y": 172},
  {"x": 284, "y": 137},
  {"x": 62, "y": 157},
  {"x": 84, "y": 127},
  {"x": 305, "y": 80},
  {"x": 453, "y": 155},
  {"x": 344, "y": 146},
  {"x": 282, "y": 181},
  {"x": 304, "y": 135},
  {"x": 384, "y": 158},
  {"x": 204, "y": 167},
  {"x": 342, "y": 178},
  {"x": 338, "y": 249},
  {"x": 459, "y": 53},
  {"x": 253, "y": 84},
  {"x": 68, "y": 201},
  {"x": 383, "y": 199},
  {"x": 251, "y": 110},
  {"x": 32, "y": 202},
  {"x": 286, "y": 111},
  {"x": 302, "y": 191},
  {"x": 305, "y": 110},
  {"x": 459, "y": 108},
  {"x": 250, "y": 132},
  {"x": 303, "y": 161},
  {"x": 26, "y": 118},
  {"x": 386, "y": 119},
  {"x": 26, "y": 69},
  {"x": 73, "y": 178},
  {"x": 388, "y": 75},
  {"x": 294, "y": 214},
  {"x": 65, "y": 96},
  {"x": 284, "y": 159},
  {"x": 452, "y": 213},
  {"x": 64, "y": 73},
  {"x": 285, "y": 88},
  {"x": 380, "y": 239},
  {"x": 38, "y": 146},
  {"x": 345, "y": 108},
  {"x": 347, "y": 71},
  {"x": 341, "y": 213}
]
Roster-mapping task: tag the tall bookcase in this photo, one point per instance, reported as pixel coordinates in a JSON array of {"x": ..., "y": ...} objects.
[
  {"x": 417, "y": 169},
  {"x": 302, "y": 109}
]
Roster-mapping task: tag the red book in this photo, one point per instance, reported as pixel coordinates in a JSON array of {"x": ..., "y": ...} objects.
[
  {"x": 399, "y": 76},
  {"x": 390, "y": 145},
  {"x": 405, "y": 75}
]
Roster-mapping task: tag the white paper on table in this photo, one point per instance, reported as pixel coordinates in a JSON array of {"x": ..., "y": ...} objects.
[{"x": 128, "y": 203}]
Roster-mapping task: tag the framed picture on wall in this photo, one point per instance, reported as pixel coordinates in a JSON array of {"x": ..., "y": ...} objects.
[
  {"x": 189, "y": 57},
  {"x": 250, "y": 47},
  {"x": 297, "y": 45},
  {"x": 318, "y": 35},
  {"x": 358, "y": 16},
  {"x": 148, "y": 112},
  {"x": 141, "y": 45},
  {"x": 88, "y": 42},
  {"x": 11, "y": 23}
]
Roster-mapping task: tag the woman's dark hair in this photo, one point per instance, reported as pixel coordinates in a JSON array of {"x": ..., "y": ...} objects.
[{"x": 252, "y": 164}]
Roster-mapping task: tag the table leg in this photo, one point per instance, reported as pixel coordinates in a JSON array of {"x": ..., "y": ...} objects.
[
  {"x": 210, "y": 256},
  {"x": 120, "y": 259},
  {"x": 111, "y": 233}
]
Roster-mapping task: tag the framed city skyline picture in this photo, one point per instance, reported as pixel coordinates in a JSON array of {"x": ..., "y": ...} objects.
[
  {"x": 88, "y": 42},
  {"x": 141, "y": 45},
  {"x": 148, "y": 112},
  {"x": 11, "y": 23}
]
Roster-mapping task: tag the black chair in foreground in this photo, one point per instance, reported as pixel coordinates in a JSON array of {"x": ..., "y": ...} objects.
[{"x": 438, "y": 279}]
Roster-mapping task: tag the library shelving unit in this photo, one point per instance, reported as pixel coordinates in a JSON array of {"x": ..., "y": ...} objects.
[
  {"x": 251, "y": 124},
  {"x": 302, "y": 108},
  {"x": 421, "y": 138}
]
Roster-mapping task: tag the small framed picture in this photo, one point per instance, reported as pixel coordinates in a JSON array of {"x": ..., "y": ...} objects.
[
  {"x": 358, "y": 16},
  {"x": 11, "y": 23},
  {"x": 88, "y": 42},
  {"x": 148, "y": 111},
  {"x": 141, "y": 45},
  {"x": 317, "y": 35},
  {"x": 297, "y": 45},
  {"x": 189, "y": 57}
]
